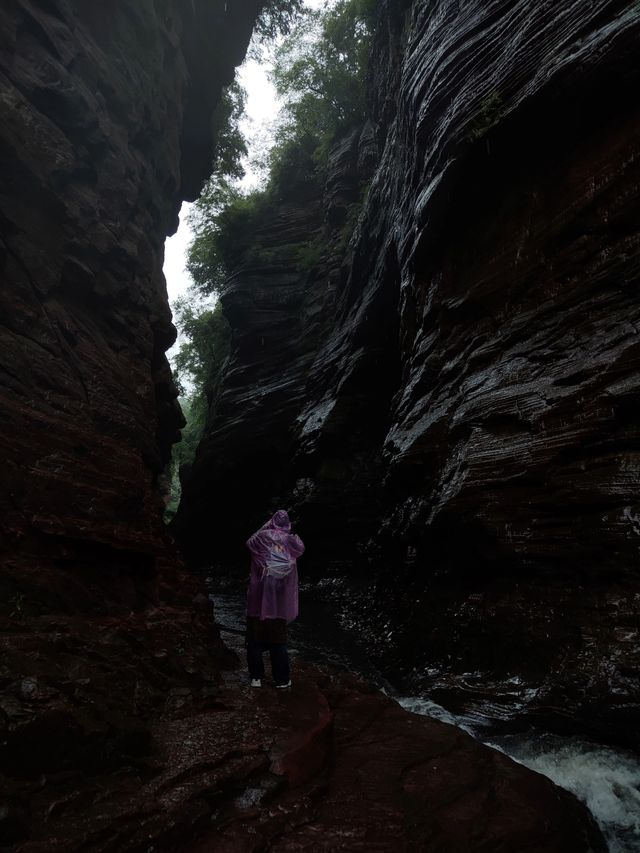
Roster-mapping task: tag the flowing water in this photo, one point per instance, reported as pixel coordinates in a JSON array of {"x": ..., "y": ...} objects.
[{"x": 607, "y": 780}]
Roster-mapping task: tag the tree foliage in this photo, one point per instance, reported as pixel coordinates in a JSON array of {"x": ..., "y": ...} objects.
[
  {"x": 204, "y": 347},
  {"x": 204, "y": 344},
  {"x": 276, "y": 18},
  {"x": 231, "y": 145},
  {"x": 319, "y": 73},
  {"x": 184, "y": 452},
  {"x": 205, "y": 262}
]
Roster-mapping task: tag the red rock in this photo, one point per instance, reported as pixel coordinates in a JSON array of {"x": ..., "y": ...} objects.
[
  {"x": 126, "y": 750},
  {"x": 105, "y": 126}
]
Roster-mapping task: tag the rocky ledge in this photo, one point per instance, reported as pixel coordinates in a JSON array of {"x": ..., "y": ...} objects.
[{"x": 168, "y": 755}]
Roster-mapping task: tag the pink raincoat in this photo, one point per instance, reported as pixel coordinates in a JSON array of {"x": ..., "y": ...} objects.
[{"x": 273, "y": 586}]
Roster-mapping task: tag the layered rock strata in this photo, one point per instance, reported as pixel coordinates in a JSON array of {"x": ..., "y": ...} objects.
[
  {"x": 464, "y": 430},
  {"x": 105, "y": 127},
  {"x": 280, "y": 302}
]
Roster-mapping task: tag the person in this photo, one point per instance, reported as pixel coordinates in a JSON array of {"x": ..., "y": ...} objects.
[{"x": 272, "y": 598}]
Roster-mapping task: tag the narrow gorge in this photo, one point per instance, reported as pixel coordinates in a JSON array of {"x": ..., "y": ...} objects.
[
  {"x": 433, "y": 363},
  {"x": 445, "y": 396}
]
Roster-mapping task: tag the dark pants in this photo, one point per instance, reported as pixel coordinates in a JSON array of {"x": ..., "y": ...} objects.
[
  {"x": 279, "y": 660},
  {"x": 268, "y": 635}
]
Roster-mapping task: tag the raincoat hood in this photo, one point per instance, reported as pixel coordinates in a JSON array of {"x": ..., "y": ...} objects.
[
  {"x": 280, "y": 521},
  {"x": 273, "y": 586}
]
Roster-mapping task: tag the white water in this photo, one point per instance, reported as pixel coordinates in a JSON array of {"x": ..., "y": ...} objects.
[{"x": 606, "y": 780}]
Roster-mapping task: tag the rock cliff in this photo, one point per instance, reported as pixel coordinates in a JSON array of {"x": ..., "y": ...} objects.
[
  {"x": 447, "y": 403},
  {"x": 106, "y": 126},
  {"x": 117, "y": 730}
]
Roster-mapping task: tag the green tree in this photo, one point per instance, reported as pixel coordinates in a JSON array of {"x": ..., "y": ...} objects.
[
  {"x": 219, "y": 220},
  {"x": 276, "y": 18},
  {"x": 204, "y": 347},
  {"x": 205, "y": 263},
  {"x": 319, "y": 71},
  {"x": 184, "y": 452},
  {"x": 231, "y": 145},
  {"x": 204, "y": 344}
]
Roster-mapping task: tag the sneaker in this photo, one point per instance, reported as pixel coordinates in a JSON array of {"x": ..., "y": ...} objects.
[
  {"x": 283, "y": 686},
  {"x": 256, "y": 682}
]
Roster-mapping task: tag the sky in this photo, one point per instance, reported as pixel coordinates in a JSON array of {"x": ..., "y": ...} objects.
[{"x": 261, "y": 109}]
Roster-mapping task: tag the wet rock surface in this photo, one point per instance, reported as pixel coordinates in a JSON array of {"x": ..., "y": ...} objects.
[
  {"x": 281, "y": 303},
  {"x": 387, "y": 780},
  {"x": 603, "y": 778},
  {"x": 467, "y": 432},
  {"x": 130, "y": 734},
  {"x": 117, "y": 730},
  {"x": 105, "y": 126},
  {"x": 82, "y": 701}
]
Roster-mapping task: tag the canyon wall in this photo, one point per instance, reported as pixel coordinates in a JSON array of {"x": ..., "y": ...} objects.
[
  {"x": 445, "y": 394},
  {"x": 117, "y": 731},
  {"x": 106, "y": 125}
]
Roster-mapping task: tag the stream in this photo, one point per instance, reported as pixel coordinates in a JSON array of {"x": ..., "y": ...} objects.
[{"x": 606, "y": 779}]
